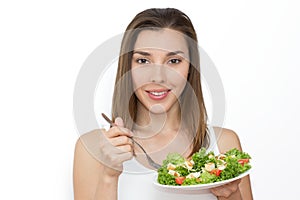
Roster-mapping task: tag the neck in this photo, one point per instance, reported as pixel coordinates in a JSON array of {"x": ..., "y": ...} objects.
[{"x": 149, "y": 124}]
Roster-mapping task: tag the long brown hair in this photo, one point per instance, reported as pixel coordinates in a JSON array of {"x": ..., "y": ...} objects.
[{"x": 156, "y": 19}]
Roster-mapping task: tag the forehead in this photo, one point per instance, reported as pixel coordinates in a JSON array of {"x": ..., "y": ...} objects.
[{"x": 164, "y": 39}]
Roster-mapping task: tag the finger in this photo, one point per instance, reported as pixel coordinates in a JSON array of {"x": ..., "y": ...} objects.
[
  {"x": 119, "y": 122},
  {"x": 122, "y": 157},
  {"x": 121, "y": 140},
  {"x": 226, "y": 190},
  {"x": 233, "y": 186},
  {"x": 118, "y": 131},
  {"x": 220, "y": 192},
  {"x": 238, "y": 181},
  {"x": 125, "y": 148},
  {"x": 125, "y": 130},
  {"x": 110, "y": 151}
]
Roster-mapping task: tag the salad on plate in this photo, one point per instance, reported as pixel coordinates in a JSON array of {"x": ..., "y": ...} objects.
[{"x": 203, "y": 168}]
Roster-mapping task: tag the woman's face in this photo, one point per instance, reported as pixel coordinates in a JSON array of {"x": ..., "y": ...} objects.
[{"x": 159, "y": 68}]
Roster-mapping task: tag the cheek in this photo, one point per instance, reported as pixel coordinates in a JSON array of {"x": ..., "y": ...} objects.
[
  {"x": 140, "y": 76},
  {"x": 179, "y": 83},
  {"x": 178, "y": 76},
  {"x": 138, "y": 93},
  {"x": 184, "y": 70}
]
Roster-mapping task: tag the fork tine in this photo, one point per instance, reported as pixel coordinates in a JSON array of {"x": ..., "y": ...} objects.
[{"x": 150, "y": 160}]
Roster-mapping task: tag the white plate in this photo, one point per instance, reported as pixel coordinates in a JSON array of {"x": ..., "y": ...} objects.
[{"x": 173, "y": 188}]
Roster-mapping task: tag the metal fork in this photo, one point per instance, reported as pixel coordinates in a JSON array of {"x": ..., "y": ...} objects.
[{"x": 149, "y": 159}]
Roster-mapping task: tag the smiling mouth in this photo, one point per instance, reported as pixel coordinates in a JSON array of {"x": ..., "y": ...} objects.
[{"x": 158, "y": 94}]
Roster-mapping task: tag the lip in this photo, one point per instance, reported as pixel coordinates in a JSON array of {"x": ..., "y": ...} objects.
[{"x": 163, "y": 95}]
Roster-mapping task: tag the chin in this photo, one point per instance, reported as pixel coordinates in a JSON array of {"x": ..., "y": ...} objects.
[{"x": 158, "y": 109}]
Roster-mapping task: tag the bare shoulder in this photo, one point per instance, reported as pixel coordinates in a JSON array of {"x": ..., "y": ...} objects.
[
  {"x": 86, "y": 167},
  {"x": 86, "y": 152},
  {"x": 227, "y": 139},
  {"x": 89, "y": 136},
  {"x": 86, "y": 145}
]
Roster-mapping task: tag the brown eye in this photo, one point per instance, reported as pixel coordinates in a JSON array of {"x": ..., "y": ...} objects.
[
  {"x": 174, "y": 61},
  {"x": 142, "y": 61}
]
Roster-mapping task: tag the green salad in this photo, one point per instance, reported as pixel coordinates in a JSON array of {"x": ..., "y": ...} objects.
[{"x": 203, "y": 167}]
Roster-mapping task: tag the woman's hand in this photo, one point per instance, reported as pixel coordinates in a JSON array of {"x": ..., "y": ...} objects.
[
  {"x": 115, "y": 148},
  {"x": 228, "y": 191},
  {"x": 98, "y": 161}
]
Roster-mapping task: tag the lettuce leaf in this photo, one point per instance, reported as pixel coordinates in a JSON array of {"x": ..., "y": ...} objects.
[
  {"x": 174, "y": 158},
  {"x": 199, "y": 159}
]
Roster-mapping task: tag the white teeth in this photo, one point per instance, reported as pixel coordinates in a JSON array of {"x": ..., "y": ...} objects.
[{"x": 158, "y": 93}]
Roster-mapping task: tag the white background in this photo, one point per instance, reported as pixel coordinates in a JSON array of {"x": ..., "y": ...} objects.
[{"x": 254, "y": 44}]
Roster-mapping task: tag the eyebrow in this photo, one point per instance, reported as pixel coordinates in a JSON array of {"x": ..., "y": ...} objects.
[{"x": 172, "y": 53}]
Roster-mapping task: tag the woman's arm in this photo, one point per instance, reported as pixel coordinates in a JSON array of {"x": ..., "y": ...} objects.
[
  {"x": 98, "y": 162},
  {"x": 90, "y": 181},
  {"x": 228, "y": 139}
]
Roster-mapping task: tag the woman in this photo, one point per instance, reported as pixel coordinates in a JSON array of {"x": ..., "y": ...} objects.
[{"x": 158, "y": 101}]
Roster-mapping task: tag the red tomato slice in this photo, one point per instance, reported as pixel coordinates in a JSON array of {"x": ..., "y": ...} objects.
[
  {"x": 216, "y": 172},
  {"x": 243, "y": 161},
  {"x": 179, "y": 180}
]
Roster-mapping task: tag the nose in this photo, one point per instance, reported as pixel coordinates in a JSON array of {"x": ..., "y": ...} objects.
[{"x": 158, "y": 74}]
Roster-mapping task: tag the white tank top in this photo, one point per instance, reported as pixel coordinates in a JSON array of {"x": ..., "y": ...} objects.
[{"x": 136, "y": 182}]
